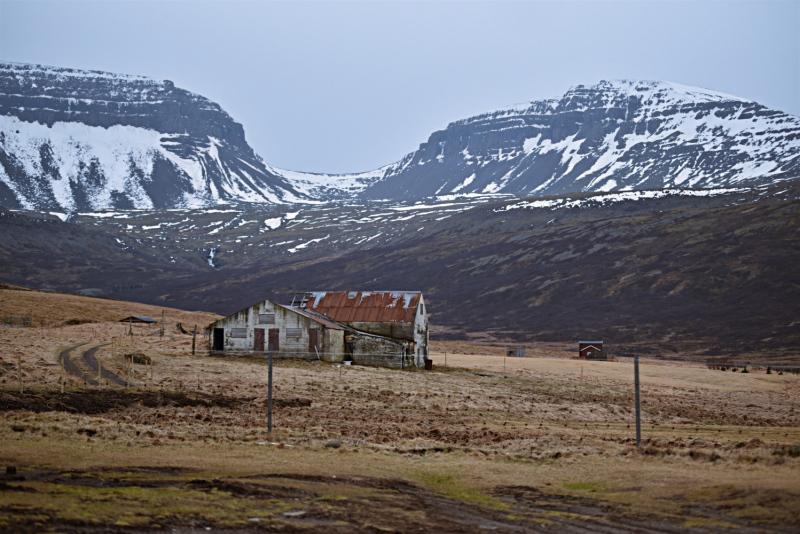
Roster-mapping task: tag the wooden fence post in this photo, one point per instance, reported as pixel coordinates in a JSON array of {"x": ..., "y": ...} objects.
[
  {"x": 269, "y": 392},
  {"x": 638, "y": 410}
]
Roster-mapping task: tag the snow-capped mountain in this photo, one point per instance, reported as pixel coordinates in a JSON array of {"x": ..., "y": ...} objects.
[
  {"x": 617, "y": 135},
  {"x": 89, "y": 140}
]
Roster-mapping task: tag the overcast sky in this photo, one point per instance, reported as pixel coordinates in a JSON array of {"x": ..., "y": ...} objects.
[{"x": 351, "y": 86}]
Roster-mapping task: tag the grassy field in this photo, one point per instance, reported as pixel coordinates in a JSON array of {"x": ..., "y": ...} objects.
[{"x": 483, "y": 443}]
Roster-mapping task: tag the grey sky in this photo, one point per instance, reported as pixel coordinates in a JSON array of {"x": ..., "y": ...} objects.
[{"x": 350, "y": 86}]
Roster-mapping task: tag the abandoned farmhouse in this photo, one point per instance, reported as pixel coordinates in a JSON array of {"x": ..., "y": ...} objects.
[{"x": 377, "y": 328}]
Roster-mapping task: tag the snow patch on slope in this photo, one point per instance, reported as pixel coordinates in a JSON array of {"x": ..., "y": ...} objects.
[{"x": 321, "y": 186}]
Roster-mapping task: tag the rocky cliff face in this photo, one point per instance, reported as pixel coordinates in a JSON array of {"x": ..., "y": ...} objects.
[
  {"x": 88, "y": 140},
  {"x": 84, "y": 140},
  {"x": 616, "y": 135}
]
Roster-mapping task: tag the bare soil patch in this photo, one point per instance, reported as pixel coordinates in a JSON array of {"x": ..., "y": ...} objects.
[{"x": 290, "y": 502}]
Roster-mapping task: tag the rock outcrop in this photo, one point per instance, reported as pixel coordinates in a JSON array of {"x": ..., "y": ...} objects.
[
  {"x": 87, "y": 140},
  {"x": 618, "y": 135}
]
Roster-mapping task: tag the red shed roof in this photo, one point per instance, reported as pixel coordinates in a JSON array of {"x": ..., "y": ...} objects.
[{"x": 362, "y": 306}]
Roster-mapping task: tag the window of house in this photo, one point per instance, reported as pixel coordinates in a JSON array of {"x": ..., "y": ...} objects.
[
  {"x": 266, "y": 318},
  {"x": 294, "y": 332},
  {"x": 238, "y": 332}
]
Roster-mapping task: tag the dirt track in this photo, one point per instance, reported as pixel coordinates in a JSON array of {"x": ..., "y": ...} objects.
[
  {"x": 91, "y": 361},
  {"x": 71, "y": 367}
]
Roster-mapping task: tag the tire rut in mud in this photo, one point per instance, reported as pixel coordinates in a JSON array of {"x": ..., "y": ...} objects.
[
  {"x": 91, "y": 361},
  {"x": 72, "y": 368},
  {"x": 394, "y": 505}
]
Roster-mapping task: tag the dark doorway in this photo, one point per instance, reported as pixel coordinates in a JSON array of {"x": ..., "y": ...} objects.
[
  {"x": 258, "y": 339},
  {"x": 313, "y": 340},
  {"x": 273, "y": 339},
  {"x": 219, "y": 339}
]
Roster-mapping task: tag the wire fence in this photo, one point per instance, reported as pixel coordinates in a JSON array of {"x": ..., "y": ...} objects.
[
  {"x": 17, "y": 321},
  {"x": 725, "y": 364}
]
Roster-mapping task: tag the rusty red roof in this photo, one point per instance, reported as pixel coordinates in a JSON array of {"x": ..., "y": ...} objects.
[{"x": 364, "y": 306}]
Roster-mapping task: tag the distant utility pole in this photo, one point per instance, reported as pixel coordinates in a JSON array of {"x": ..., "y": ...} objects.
[{"x": 638, "y": 409}]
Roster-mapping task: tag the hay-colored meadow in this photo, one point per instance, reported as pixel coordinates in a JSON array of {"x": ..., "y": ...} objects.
[{"x": 480, "y": 442}]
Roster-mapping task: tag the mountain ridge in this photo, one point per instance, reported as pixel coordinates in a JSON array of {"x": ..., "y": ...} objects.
[
  {"x": 82, "y": 140},
  {"x": 615, "y": 135},
  {"x": 74, "y": 140}
]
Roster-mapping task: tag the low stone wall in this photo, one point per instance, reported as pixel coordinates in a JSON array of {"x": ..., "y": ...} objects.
[{"x": 393, "y": 361}]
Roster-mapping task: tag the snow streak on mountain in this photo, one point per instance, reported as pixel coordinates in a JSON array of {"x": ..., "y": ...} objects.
[
  {"x": 617, "y": 135},
  {"x": 88, "y": 140}
]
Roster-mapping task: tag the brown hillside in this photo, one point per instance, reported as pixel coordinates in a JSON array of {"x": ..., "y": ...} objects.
[{"x": 60, "y": 307}]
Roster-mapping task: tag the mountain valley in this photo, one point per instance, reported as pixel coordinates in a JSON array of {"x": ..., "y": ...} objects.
[
  {"x": 659, "y": 217},
  {"x": 671, "y": 272}
]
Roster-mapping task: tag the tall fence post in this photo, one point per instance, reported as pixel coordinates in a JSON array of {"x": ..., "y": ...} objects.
[
  {"x": 194, "y": 337},
  {"x": 19, "y": 371},
  {"x": 638, "y": 409},
  {"x": 269, "y": 391}
]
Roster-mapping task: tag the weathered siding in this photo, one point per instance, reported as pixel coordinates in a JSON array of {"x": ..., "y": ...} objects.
[
  {"x": 393, "y": 330},
  {"x": 379, "y": 351},
  {"x": 374, "y": 360},
  {"x": 393, "y": 344},
  {"x": 334, "y": 339},
  {"x": 416, "y": 332},
  {"x": 329, "y": 340},
  {"x": 421, "y": 333}
]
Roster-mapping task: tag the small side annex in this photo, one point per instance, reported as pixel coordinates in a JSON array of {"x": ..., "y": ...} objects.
[{"x": 390, "y": 330}]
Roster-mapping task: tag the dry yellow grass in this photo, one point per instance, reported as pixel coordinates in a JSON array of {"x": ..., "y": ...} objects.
[
  {"x": 60, "y": 307},
  {"x": 682, "y": 375},
  {"x": 501, "y": 438}
]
